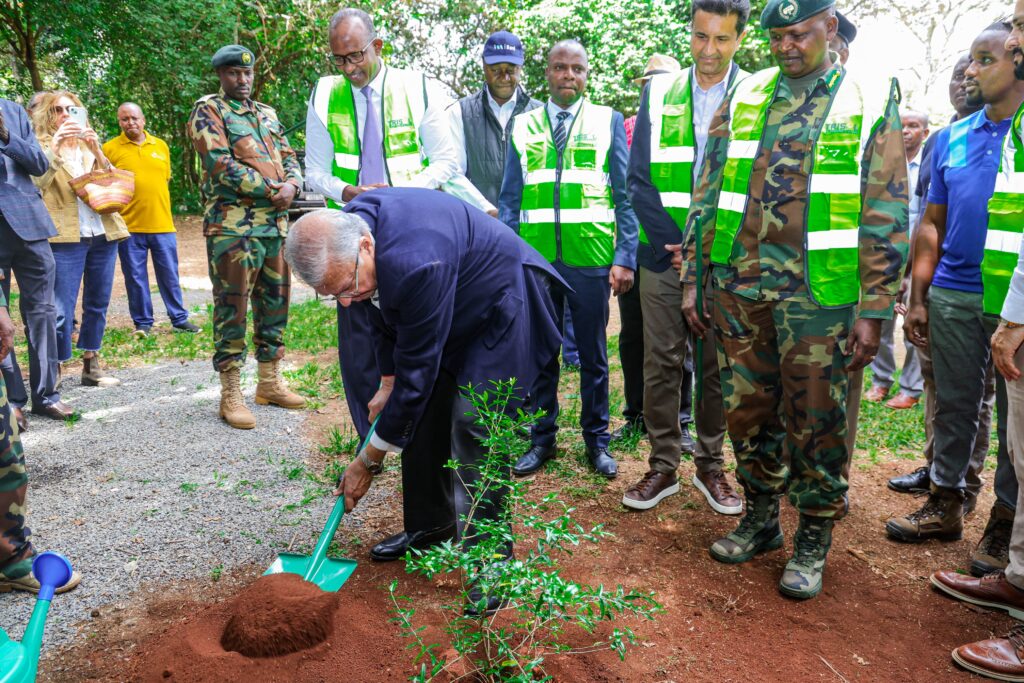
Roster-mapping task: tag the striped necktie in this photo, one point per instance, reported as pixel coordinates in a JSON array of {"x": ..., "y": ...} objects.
[{"x": 561, "y": 134}]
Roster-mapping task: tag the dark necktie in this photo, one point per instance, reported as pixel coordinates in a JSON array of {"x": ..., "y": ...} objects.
[
  {"x": 371, "y": 169},
  {"x": 561, "y": 134}
]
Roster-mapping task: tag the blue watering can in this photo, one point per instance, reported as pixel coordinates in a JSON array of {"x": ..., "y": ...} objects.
[{"x": 19, "y": 661}]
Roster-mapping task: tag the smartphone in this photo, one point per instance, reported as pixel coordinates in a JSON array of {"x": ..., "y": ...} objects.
[{"x": 79, "y": 115}]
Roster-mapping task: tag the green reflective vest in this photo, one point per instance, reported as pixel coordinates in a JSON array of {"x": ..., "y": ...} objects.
[
  {"x": 832, "y": 224},
  {"x": 673, "y": 144},
  {"x": 567, "y": 212},
  {"x": 1005, "y": 221},
  {"x": 673, "y": 141},
  {"x": 404, "y": 103}
]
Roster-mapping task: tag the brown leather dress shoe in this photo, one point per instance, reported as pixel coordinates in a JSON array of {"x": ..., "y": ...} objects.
[
  {"x": 876, "y": 394},
  {"x": 19, "y": 417},
  {"x": 56, "y": 411},
  {"x": 721, "y": 496},
  {"x": 902, "y": 401},
  {"x": 989, "y": 591},
  {"x": 652, "y": 488},
  {"x": 998, "y": 658}
]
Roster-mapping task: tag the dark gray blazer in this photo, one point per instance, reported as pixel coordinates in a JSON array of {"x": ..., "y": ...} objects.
[{"x": 20, "y": 159}]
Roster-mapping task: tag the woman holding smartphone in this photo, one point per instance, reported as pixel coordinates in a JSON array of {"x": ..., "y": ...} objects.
[{"x": 85, "y": 247}]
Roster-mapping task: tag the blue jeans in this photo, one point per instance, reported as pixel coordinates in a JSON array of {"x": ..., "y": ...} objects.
[
  {"x": 134, "y": 253},
  {"x": 90, "y": 261}
]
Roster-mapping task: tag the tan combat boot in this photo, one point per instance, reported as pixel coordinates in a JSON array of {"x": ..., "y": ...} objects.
[
  {"x": 941, "y": 517},
  {"x": 92, "y": 373},
  {"x": 993, "y": 552},
  {"x": 272, "y": 389},
  {"x": 232, "y": 405}
]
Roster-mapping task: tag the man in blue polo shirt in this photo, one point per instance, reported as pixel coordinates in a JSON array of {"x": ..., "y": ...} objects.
[{"x": 949, "y": 306}]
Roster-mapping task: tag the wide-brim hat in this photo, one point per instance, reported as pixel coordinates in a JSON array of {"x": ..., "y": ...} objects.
[{"x": 658, "y": 64}]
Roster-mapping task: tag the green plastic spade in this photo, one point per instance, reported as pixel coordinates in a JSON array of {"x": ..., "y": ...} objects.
[
  {"x": 19, "y": 661},
  {"x": 327, "y": 573}
]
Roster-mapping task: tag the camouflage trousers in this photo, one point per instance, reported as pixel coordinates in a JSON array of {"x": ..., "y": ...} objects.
[
  {"x": 784, "y": 391},
  {"x": 244, "y": 268},
  {"x": 14, "y": 543}
]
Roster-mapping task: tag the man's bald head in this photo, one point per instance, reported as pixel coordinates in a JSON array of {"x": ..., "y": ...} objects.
[
  {"x": 321, "y": 240},
  {"x": 132, "y": 121},
  {"x": 567, "y": 71}
]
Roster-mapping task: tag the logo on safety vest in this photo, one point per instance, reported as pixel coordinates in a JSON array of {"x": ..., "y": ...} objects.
[
  {"x": 400, "y": 123},
  {"x": 838, "y": 127},
  {"x": 584, "y": 137},
  {"x": 788, "y": 9}
]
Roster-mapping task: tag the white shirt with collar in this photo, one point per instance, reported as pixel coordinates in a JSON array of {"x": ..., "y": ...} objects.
[
  {"x": 554, "y": 110},
  {"x": 433, "y": 133},
  {"x": 705, "y": 104},
  {"x": 468, "y": 192},
  {"x": 913, "y": 171}
]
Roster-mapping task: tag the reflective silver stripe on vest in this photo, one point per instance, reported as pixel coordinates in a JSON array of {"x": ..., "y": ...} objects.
[
  {"x": 834, "y": 184},
  {"x": 588, "y": 215},
  {"x": 574, "y": 176},
  {"x": 833, "y": 239},
  {"x": 1002, "y": 240}
]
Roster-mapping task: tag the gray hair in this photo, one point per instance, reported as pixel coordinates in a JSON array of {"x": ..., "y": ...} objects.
[
  {"x": 347, "y": 13},
  {"x": 322, "y": 238}
]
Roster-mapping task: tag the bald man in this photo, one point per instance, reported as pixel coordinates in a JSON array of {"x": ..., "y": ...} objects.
[{"x": 149, "y": 221}]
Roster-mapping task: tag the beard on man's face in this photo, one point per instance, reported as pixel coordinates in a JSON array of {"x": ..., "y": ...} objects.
[{"x": 1018, "y": 63}]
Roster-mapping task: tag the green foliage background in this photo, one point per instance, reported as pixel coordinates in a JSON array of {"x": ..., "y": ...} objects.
[{"x": 156, "y": 53}]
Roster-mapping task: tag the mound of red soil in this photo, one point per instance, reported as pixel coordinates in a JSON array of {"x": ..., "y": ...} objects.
[
  {"x": 279, "y": 628},
  {"x": 278, "y": 615}
]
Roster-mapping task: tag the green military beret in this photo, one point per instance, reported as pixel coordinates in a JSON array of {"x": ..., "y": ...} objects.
[
  {"x": 780, "y": 13},
  {"x": 233, "y": 55}
]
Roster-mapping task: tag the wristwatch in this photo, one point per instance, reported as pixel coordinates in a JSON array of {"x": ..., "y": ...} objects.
[{"x": 372, "y": 467}]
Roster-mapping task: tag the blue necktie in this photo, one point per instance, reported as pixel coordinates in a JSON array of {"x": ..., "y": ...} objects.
[
  {"x": 371, "y": 157},
  {"x": 561, "y": 134}
]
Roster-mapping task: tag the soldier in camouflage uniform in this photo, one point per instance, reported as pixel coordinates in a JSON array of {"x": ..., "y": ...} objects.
[
  {"x": 803, "y": 189},
  {"x": 250, "y": 177},
  {"x": 16, "y": 550}
]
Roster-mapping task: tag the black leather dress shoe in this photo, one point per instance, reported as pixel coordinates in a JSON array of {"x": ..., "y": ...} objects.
[
  {"x": 686, "y": 444},
  {"x": 395, "y": 547},
  {"x": 472, "y": 608},
  {"x": 916, "y": 481},
  {"x": 603, "y": 462},
  {"x": 56, "y": 411},
  {"x": 628, "y": 429},
  {"x": 533, "y": 459}
]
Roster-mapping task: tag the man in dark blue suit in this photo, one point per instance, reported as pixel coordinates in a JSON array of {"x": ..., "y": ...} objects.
[
  {"x": 456, "y": 299},
  {"x": 25, "y": 226},
  {"x": 564, "y": 192}
]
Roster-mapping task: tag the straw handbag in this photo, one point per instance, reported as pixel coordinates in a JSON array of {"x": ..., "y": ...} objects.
[{"x": 106, "y": 190}]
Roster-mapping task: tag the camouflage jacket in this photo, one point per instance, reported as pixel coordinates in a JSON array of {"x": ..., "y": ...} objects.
[
  {"x": 771, "y": 266},
  {"x": 245, "y": 157}
]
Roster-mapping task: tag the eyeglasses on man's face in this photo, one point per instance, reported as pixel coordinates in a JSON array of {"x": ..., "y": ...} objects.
[
  {"x": 352, "y": 291},
  {"x": 352, "y": 57}
]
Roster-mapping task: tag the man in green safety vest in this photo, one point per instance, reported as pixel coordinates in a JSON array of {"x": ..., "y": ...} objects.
[
  {"x": 800, "y": 219},
  {"x": 373, "y": 126},
  {"x": 564, "y": 192},
  {"x": 671, "y": 134},
  {"x": 965, "y": 250}
]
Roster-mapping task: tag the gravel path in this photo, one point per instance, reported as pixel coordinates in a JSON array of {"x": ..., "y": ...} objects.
[{"x": 150, "y": 486}]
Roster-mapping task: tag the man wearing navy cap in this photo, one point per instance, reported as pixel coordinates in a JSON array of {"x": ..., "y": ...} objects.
[
  {"x": 482, "y": 122},
  {"x": 844, "y": 36}
]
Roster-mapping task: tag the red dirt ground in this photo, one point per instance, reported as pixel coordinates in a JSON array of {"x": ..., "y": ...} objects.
[{"x": 877, "y": 619}]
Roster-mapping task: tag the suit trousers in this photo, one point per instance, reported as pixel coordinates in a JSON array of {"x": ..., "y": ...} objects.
[
  {"x": 960, "y": 334},
  {"x": 34, "y": 269},
  {"x": 589, "y": 305},
  {"x": 1015, "y": 436},
  {"x": 666, "y": 377},
  {"x": 359, "y": 373},
  {"x": 631, "y": 351}
]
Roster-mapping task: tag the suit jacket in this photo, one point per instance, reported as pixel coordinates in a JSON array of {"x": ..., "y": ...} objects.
[
  {"x": 20, "y": 159},
  {"x": 457, "y": 291}
]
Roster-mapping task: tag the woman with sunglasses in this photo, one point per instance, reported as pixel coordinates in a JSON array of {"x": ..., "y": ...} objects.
[{"x": 85, "y": 247}]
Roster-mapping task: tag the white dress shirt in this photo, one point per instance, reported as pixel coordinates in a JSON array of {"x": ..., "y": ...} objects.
[
  {"x": 433, "y": 134},
  {"x": 468, "y": 192},
  {"x": 89, "y": 222},
  {"x": 705, "y": 104},
  {"x": 554, "y": 110},
  {"x": 913, "y": 171}
]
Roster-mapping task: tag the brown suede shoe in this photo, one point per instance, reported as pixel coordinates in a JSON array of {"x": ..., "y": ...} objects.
[
  {"x": 999, "y": 658},
  {"x": 902, "y": 401},
  {"x": 989, "y": 591},
  {"x": 941, "y": 517},
  {"x": 719, "y": 492},
  {"x": 650, "y": 490},
  {"x": 876, "y": 394}
]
